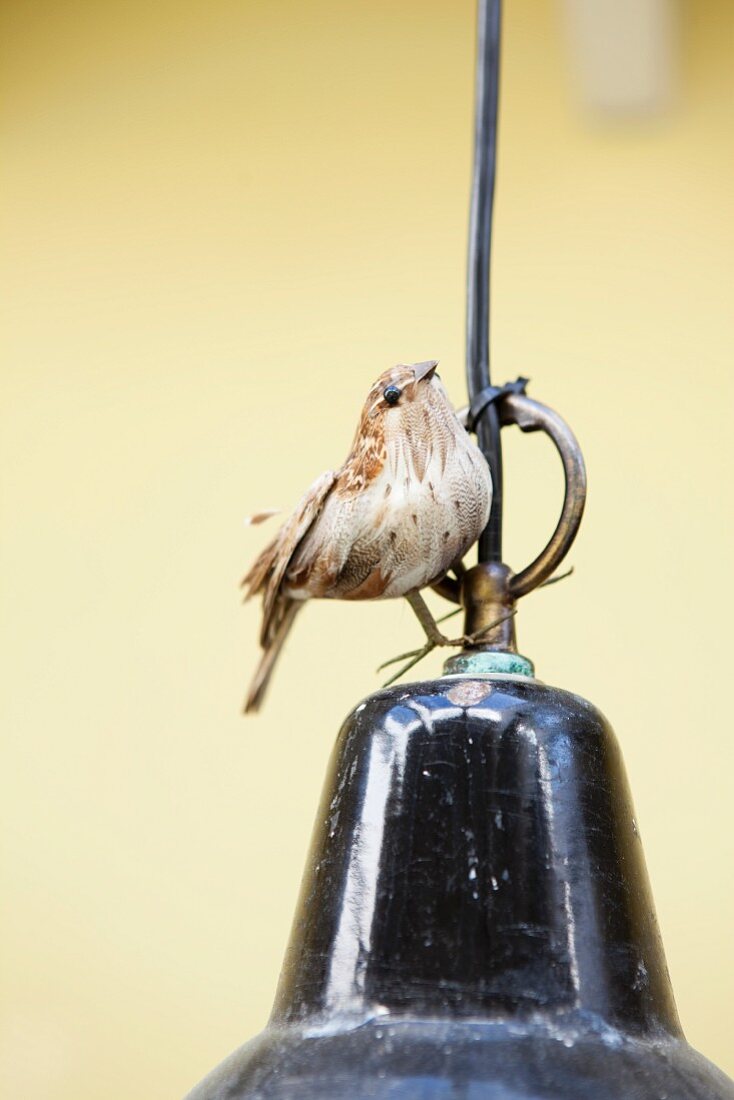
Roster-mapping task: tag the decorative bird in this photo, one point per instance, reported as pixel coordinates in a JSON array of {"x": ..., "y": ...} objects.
[{"x": 413, "y": 495}]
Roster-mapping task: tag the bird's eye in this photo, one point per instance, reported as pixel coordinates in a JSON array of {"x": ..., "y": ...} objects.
[{"x": 392, "y": 394}]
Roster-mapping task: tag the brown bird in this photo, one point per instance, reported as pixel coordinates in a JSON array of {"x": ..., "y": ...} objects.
[{"x": 411, "y": 498}]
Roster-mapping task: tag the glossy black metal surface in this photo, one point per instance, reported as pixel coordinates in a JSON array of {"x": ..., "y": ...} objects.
[{"x": 475, "y": 920}]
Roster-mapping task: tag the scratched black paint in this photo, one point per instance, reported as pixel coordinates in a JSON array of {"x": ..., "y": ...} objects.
[{"x": 475, "y": 920}]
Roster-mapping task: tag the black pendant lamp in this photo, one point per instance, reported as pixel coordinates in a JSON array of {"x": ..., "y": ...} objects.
[{"x": 476, "y": 921}]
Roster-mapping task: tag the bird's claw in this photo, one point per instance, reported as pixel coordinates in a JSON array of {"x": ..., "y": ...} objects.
[
  {"x": 413, "y": 656},
  {"x": 404, "y": 656},
  {"x": 416, "y": 655}
]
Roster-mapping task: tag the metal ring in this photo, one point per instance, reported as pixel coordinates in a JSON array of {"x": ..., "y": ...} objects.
[{"x": 531, "y": 416}]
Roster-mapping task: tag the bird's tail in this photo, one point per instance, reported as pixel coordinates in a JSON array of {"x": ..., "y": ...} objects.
[{"x": 272, "y": 649}]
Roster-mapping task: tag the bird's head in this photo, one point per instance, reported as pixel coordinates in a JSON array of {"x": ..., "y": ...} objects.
[
  {"x": 402, "y": 390},
  {"x": 407, "y": 407}
]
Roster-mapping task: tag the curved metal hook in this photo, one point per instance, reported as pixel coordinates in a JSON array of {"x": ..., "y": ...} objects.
[{"x": 532, "y": 416}]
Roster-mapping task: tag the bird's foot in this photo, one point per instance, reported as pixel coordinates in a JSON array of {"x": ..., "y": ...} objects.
[
  {"x": 466, "y": 641},
  {"x": 413, "y": 656}
]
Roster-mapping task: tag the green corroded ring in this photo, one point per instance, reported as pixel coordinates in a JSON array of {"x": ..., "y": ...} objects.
[{"x": 489, "y": 661}]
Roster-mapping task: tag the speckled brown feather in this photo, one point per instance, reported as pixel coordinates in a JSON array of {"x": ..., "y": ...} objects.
[
  {"x": 267, "y": 573},
  {"x": 411, "y": 498}
]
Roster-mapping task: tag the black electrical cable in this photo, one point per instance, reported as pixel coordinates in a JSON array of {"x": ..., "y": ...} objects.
[{"x": 480, "y": 241}]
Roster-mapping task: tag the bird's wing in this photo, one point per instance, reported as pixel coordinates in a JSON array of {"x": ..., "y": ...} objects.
[{"x": 269, "y": 569}]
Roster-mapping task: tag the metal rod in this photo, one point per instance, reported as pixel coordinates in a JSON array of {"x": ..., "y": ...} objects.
[{"x": 480, "y": 240}]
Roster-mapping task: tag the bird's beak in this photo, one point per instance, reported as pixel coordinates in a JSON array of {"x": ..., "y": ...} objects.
[{"x": 421, "y": 371}]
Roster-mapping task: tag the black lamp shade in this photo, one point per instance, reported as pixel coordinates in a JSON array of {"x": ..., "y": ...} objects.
[{"x": 475, "y": 921}]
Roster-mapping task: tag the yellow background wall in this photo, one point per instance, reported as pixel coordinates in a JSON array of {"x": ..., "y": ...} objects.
[{"x": 222, "y": 219}]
